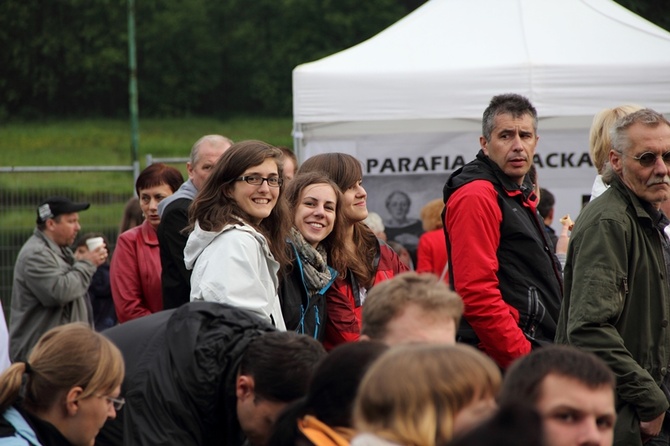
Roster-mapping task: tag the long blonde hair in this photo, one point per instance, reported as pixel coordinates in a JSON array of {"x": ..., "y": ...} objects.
[
  {"x": 66, "y": 356},
  {"x": 599, "y": 135},
  {"x": 412, "y": 394}
]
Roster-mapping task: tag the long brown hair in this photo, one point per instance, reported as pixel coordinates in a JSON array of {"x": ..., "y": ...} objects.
[
  {"x": 214, "y": 207},
  {"x": 346, "y": 172},
  {"x": 334, "y": 242},
  {"x": 66, "y": 356}
]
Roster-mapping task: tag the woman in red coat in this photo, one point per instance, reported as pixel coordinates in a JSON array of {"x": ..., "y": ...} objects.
[
  {"x": 364, "y": 259},
  {"x": 135, "y": 271},
  {"x": 431, "y": 254}
]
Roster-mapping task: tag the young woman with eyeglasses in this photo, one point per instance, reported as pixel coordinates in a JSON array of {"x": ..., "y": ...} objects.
[
  {"x": 65, "y": 392},
  {"x": 239, "y": 222},
  {"x": 363, "y": 259}
]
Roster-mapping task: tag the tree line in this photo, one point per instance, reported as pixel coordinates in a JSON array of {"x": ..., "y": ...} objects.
[{"x": 69, "y": 58}]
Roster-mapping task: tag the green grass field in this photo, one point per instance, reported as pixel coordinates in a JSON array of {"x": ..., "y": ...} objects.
[
  {"x": 101, "y": 142},
  {"x": 96, "y": 142},
  {"x": 107, "y": 142}
]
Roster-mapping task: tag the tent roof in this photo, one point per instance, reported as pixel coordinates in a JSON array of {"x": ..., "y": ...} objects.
[{"x": 449, "y": 57}]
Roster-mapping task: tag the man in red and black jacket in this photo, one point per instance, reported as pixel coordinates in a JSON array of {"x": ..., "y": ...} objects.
[{"x": 501, "y": 261}]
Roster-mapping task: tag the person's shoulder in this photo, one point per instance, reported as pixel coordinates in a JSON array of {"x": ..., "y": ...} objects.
[
  {"x": 475, "y": 188},
  {"x": 240, "y": 234},
  {"x": 131, "y": 234},
  {"x": 433, "y": 236},
  {"x": 35, "y": 246},
  {"x": 15, "y": 430},
  {"x": 476, "y": 191},
  {"x": 609, "y": 206},
  {"x": 178, "y": 205}
]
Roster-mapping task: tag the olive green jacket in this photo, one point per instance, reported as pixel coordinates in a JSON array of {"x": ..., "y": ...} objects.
[{"x": 616, "y": 303}]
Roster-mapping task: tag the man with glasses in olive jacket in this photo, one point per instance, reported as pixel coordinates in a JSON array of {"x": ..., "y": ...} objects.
[{"x": 617, "y": 294}]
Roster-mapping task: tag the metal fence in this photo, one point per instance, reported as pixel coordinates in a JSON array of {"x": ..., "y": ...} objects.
[{"x": 23, "y": 188}]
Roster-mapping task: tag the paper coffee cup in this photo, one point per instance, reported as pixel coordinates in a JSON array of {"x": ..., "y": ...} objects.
[{"x": 94, "y": 242}]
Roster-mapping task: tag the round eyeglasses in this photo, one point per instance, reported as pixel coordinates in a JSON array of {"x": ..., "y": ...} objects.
[
  {"x": 648, "y": 159},
  {"x": 257, "y": 180}
]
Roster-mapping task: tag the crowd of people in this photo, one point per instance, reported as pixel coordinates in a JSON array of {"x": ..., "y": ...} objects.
[{"x": 259, "y": 303}]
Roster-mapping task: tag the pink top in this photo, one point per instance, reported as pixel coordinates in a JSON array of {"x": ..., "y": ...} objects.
[{"x": 135, "y": 273}]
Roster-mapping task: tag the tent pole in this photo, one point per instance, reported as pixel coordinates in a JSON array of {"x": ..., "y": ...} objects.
[{"x": 298, "y": 146}]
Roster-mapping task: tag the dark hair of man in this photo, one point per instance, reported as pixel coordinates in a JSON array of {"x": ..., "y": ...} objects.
[
  {"x": 507, "y": 104},
  {"x": 281, "y": 364},
  {"x": 288, "y": 153},
  {"x": 512, "y": 425},
  {"x": 547, "y": 201},
  {"x": 523, "y": 380},
  {"x": 42, "y": 226},
  {"x": 332, "y": 391}
]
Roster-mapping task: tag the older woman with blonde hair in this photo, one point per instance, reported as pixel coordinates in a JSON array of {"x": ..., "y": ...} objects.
[
  {"x": 422, "y": 395},
  {"x": 431, "y": 254},
  {"x": 600, "y": 143},
  {"x": 66, "y": 390}
]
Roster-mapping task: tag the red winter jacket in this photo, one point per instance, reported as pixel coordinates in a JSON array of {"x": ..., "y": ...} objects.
[
  {"x": 344, "y": 300},
  {"x": 135, "y": 273},
  {"x": 431, "y": 255}
]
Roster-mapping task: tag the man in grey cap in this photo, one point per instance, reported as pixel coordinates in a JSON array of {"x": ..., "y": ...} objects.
[{"x": 50, "y": 284}]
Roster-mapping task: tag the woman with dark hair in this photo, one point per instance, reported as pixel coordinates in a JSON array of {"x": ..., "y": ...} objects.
[
  {"x": 240, "y": 222},
  {"x": 132, "y": 215},
  {"x": 363, "y": 260},
  {"x": 65, "y": 392},
  {"x": 314, "y": 201},
  {"x": 135, "y": 271}
]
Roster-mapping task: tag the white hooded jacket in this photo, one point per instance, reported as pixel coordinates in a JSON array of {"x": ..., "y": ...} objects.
[{"x": 235, "y": 266}]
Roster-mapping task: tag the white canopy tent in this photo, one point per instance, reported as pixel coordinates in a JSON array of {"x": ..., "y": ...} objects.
[{"x": 408, "y": 102}]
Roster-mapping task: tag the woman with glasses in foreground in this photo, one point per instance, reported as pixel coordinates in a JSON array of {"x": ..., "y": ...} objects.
[
  {"x": 65, "y": 392},
  {"x": 239, "y": 223}
]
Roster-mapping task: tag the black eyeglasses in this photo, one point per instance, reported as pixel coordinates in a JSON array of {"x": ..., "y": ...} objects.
[
  {"x": 648, "y": 159},
  {"x": 257, "y": 180}
]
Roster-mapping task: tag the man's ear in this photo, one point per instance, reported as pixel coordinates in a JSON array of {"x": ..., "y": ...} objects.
[
  {"x": 244, "y": 387},
  {"x": 484, "y": 145},
  {"x": 72, "y": 400},
  {"x": 364, "y": 338},
  {"x": 616, "y": 161}
]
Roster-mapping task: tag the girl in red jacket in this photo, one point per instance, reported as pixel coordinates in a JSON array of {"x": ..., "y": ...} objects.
[{"x": 364, "y": 259}]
